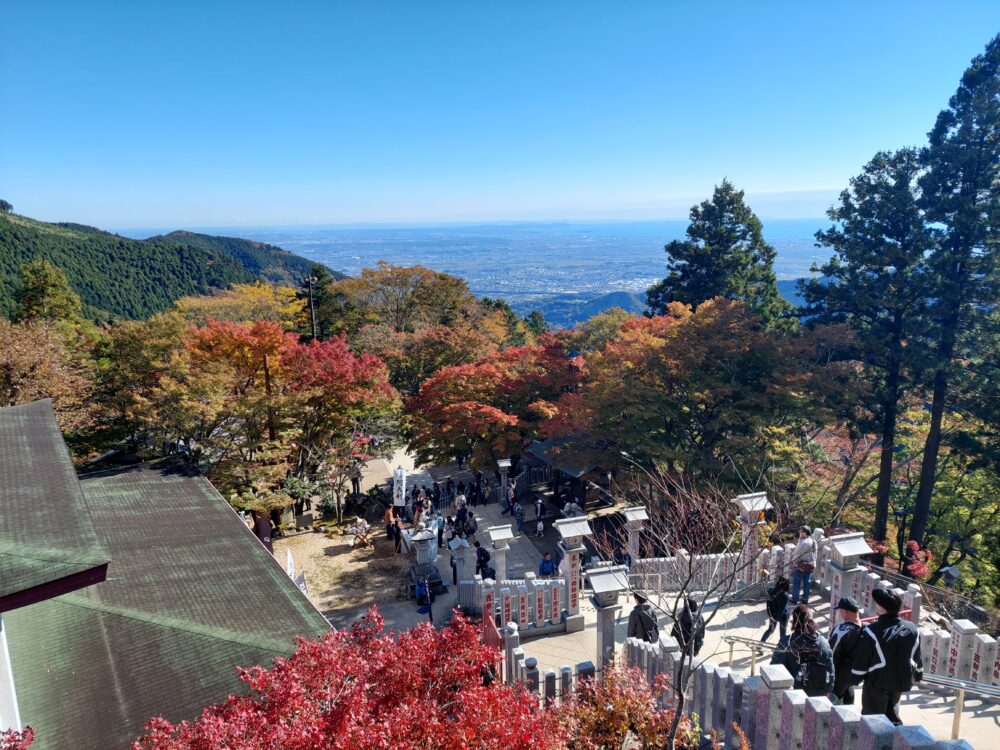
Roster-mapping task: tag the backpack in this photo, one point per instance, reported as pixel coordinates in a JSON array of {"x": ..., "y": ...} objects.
[
  {"x": 814, "y": 676},
  {"x": 650, "y": 630},
  {"x": 483, "y": 555}
]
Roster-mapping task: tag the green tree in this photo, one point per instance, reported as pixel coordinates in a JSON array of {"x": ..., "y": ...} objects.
[
  {"x": 724, "y": 255},
  {"x": 45, "y": 293},
  {"x": 877, "y": 283},
  {"x": 536, "y": 323},
  {"x": 961, "y": 195},
  {"x": 315, "y": 293},
  {"x": 5, "y": 207}
]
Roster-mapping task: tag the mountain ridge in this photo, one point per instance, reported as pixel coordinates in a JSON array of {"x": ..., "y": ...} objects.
[{"x": 120, "y": 277}]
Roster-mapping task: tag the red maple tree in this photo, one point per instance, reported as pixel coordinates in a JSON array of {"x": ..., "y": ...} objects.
[{"x": 368, "y": 688}]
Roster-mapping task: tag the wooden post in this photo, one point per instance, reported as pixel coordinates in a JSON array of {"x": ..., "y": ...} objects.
[{"x": 959, "y": 705}]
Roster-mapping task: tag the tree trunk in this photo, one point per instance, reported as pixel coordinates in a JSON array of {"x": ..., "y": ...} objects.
[
  {"x": 928, "y": 466},
  {"x": 889, "y": 408},
  {"x": 271, "y": 433}
]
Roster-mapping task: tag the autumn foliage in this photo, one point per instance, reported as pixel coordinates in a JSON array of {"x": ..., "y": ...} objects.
[
  {"x": 424, "y": 688},
  {"x": 490, "y": 408},
  {"x": 14, "y": 740},
  {"x": 368, "y": 688}
]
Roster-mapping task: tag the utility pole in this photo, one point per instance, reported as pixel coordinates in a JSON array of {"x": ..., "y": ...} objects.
[{"x": 310, "y": 280}]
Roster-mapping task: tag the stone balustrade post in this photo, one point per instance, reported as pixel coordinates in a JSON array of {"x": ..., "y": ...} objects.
[
  {"x": 511, "y": 641},
  {"x": 489, "y": 600},
  {"x": 912, "y": 738},
  {"x": 913, "y": 601},
  {"x": 776, "y": 680},
  {"x": 585, "y": 670},
  {"x": 816, "y": 723},
  {"x": 875, "y": 733},
  {"x": 734, "y": 704},
  {"x": 963, "y": 634},
  {"x": 843, "y": 731},
  {"x": 984, "y": 655},
  {"x": 549, "y": 690},
  {"x": 927, "y": 636},
  {"x": 752, "y": 688},
  {"x": 522, "y": 606},
  {"x": 940, "y": 652},
  {"x": 531, "y": 675},
  {"x": 517, "y": 670},
  {"x": 565, "y": 681},
  {"x": 793, "y": 711},
  {"x": 719, "y": 712},
  {"x": 703, "y": 691}
]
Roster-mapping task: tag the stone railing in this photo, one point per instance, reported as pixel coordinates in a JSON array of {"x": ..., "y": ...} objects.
[{"x": 772, "y": 714}]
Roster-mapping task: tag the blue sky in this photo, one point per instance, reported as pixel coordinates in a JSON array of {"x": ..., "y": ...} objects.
[{"x": 179, "y": 113}]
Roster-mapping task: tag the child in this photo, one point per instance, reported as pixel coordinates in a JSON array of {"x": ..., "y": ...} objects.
[{"x": 539, "y": 527}]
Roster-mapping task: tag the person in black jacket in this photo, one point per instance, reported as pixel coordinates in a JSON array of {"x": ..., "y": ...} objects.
[
  {"x": 777, "y": 612},
  {"x": 642, "y": 621},
  {"x": 887, "y": 658},
  {"x": 844, "y": 642},
  {"x": 689, "y": 628},
  {"x": 808, "y": 657}
]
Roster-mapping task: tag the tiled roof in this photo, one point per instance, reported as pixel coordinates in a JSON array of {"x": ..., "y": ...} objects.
[
  {"x": 48, "y": 543},
  {"x": 190, "y": 595}
]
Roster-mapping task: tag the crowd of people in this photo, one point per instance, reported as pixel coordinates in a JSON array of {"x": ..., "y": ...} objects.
[{"x": 883, "y": 655}]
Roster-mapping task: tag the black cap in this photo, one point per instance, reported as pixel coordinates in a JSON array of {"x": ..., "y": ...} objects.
[
  {"x": 639, "y": 597},
  {"x": 848, "y": 603},
  {"x": 887, "y": 600}
]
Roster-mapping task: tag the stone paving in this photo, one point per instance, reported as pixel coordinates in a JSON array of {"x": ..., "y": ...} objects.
[{"x": 525, "y": 552}]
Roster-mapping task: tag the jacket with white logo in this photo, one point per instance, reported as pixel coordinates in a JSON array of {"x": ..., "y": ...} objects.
[{"x": 884, "y": 654}]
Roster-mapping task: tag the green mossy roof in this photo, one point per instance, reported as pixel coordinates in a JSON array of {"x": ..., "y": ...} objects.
[
  {"x": 190, "y": 595},
  {"x": 46, "y": 533}
]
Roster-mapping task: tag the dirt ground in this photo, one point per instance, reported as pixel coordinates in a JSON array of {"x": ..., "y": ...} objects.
[{"x": 338, "y": 576}]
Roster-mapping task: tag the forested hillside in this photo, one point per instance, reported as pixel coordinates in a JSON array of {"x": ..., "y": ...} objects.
[
  {"x": 269, "y": 262},
  {"x": 121, "y": 277}
]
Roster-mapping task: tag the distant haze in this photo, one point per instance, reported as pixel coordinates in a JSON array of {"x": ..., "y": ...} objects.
[{"x": 566, "y": 269}]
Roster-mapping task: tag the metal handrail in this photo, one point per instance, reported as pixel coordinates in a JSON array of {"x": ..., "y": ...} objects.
[
  {"x": 755, "y": 647},
  {"x": 961, "y": 687}
]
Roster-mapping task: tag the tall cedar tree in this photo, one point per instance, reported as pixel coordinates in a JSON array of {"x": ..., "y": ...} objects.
[
  {"x": 877, "y": 283},
  {"x": 961, "y": 195},
  {"x": 725, "y": 255}
]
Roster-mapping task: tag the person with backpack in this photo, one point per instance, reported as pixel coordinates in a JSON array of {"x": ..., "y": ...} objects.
[
  {"x": 519, "y": 517},
  {"x": 642, "y": 621},
  {"x": 689, "y": 628},
  {"x": 471, "y": 526},
  {"x": 887, "y": 658},
  {"x": 547, "y": 566},
  {"x": 777, "y": 611},
  {"x": 482, "y": 559},
  {"x": 844, "y": 641},
  {"x": 808, "y": 657}
]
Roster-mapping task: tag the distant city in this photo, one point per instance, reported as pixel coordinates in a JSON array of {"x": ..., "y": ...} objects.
[{"x": 566, "y": 270}]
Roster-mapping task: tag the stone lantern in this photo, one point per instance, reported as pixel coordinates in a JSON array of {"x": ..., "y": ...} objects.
[
  {"x": 504, "y": 465},
  {"x": 608, "y": 583},
  {"x": 752, "y": 508},
  {"x": 500, "y": 536},
  {"x": 845, "y": 556},
  {"x": 572, "y": 532},
  {"x": 634, "y": 518}
]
